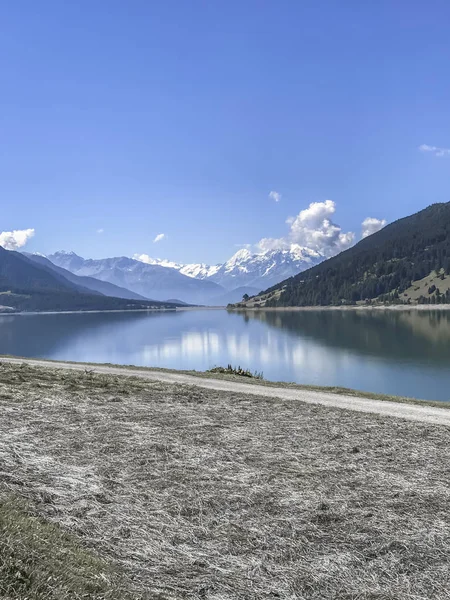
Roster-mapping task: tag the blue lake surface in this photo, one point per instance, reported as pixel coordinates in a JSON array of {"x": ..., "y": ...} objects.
[{"x": 394, "y": 352}]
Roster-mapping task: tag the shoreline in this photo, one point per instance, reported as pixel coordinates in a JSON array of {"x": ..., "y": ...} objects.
[
  {"x": 198, "y": 377},
  {"x": 395, "y": 307},
  {"x": 81, "y": 312}
]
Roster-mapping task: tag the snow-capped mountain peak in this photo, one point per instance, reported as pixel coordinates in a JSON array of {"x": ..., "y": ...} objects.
[
  {"x": 162, "y": 262},
  {"x": 301, "y": 253},
  {"x": 241, "y": 256},
  {"x": 200, "y": 270}
]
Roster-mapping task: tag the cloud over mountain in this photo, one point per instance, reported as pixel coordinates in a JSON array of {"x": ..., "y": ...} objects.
[
  {"x": 313, "y": 228},
  {"x": 371, "y": 225},
  {"x": 13, "y": 240}
]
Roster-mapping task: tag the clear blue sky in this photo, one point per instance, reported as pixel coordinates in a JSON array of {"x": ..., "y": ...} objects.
[{"x": 179, "y": 117}]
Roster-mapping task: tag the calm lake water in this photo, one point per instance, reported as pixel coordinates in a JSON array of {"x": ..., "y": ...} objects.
[{"x": 405, "y": 352}]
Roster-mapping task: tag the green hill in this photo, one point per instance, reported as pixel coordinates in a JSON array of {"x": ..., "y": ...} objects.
[
  {"x": 383, "y": 267},
  {"x": 26, "y": 286}
]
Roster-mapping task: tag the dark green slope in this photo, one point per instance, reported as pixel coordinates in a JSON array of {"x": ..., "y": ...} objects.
[
  {"x": 26, "y": 286},
  {"x": 384, "y": 263},
  {"x": 18, "y": 273}
]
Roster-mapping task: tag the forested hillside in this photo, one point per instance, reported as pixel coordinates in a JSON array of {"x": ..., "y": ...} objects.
[{"x": 380, "y": 266}]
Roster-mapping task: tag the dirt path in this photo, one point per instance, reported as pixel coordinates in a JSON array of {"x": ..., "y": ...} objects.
[{"x": 412, "y": 412}]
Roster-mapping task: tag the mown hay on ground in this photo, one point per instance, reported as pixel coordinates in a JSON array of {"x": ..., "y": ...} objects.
[{"x": 200, "y": 494}]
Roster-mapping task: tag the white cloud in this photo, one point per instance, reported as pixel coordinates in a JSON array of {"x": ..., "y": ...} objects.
[
  {"x": 267, "y": 244},
  {"x": 313, "y": 229},
  {"x": 371, "y": 225},
  {"x": 13, "y": 240},
  {"x": 275, "y": 196},
  {"x": 159, "y": 237},
  {"x": 435, "y": 150},
  {"x": 100, "y": 230}
]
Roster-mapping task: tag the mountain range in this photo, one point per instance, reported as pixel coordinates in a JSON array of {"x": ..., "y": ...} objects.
[
  {"x": 33, "y": 285},
  {"x": 406, "y": 262},
  {"x": 244, "y": 273}
]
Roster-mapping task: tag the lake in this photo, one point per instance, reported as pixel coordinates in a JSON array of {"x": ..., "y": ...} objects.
[{"x": 393, "y": 352}]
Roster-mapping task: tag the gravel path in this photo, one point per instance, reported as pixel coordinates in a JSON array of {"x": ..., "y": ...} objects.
[{"x": 412, "y": 412}]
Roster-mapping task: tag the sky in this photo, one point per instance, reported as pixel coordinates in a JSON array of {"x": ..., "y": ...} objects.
[{"x": 188, "y": 129}]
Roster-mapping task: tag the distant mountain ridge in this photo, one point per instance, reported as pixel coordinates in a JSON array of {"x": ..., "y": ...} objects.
[
  {"x": 92, "y": 285},
  {"x": 152, "y": 281},
  {"x": 387, "y": 266}
]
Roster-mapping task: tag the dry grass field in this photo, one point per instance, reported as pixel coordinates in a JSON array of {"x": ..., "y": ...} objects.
[{"x": 115, "y": 487}]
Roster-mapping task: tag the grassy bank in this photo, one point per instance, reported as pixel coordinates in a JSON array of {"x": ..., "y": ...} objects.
[{"x": 193, "y": 493}]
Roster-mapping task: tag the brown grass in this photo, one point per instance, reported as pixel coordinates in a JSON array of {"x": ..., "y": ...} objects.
[
  {"x": 421, "y": 286},
  {"x": 210, "y": 495}
]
